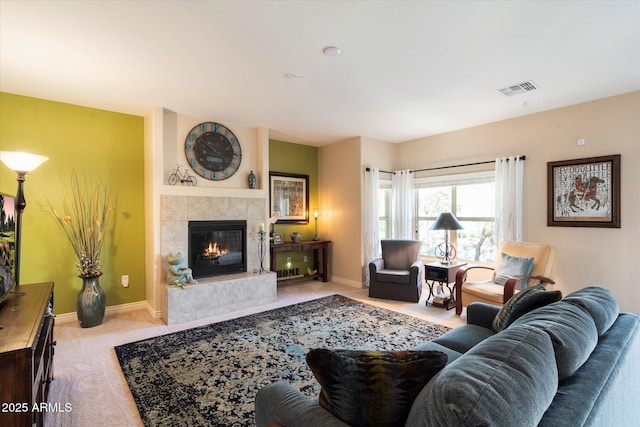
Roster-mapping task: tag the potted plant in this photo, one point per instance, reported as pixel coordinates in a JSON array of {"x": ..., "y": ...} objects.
[{"x": 83, "y": 217}]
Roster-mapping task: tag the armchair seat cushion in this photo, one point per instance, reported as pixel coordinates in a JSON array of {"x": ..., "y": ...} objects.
[
  {"x": 400, "y": 277},
  {"x": 485, "y": 291}
]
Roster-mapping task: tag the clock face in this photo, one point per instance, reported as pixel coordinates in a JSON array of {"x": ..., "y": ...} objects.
[{"x": 213, "y": 151}]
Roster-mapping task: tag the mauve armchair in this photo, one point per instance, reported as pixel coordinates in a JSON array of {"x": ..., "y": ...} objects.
[{"x": 397, "y": 274}]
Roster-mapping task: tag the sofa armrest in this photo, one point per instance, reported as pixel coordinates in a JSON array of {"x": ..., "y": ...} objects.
[
  {"x": 281, "y": 403},
  {"x": 481, "y": 314}
]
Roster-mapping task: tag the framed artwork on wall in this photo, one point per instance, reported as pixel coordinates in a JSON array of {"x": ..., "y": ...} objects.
[
  {"x": 289, "y": 197},
  {"x": 584, "y": 192}
]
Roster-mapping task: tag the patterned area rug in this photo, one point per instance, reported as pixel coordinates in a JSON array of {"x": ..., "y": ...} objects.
[{"x": 209, "y": 376}]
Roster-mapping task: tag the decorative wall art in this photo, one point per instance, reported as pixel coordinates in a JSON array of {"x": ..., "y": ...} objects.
[
  {"x": 289, "y": 197},
  {"x": 584, "y": 192}
]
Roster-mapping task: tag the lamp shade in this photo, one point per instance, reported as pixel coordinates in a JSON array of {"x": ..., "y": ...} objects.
[
  {"x": 19, "y": 161},
  {"x": 446, "y": 221}
]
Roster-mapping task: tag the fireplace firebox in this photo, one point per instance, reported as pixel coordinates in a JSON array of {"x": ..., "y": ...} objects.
[{"x": 217, "y": 247}]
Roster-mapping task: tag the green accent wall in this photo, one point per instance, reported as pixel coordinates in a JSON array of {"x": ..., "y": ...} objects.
[
  {"x": 91, "y": 143},
  {"x": 296, "y": 159}
]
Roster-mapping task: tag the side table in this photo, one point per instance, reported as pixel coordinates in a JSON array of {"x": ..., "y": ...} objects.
[{"x": 442, "y": 275}]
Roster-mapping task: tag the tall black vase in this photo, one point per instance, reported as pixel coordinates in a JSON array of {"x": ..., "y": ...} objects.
[{"x": 91, "y": 302}]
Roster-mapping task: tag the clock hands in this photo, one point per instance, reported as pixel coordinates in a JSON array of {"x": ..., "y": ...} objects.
[
  {"x": 213, "y": 150},
  {"x": 210, "y": 147}
]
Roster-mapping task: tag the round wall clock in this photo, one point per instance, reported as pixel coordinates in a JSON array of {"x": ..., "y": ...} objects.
[{"x": 213, "y": 151}]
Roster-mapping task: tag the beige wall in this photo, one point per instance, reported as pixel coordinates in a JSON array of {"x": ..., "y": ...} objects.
[
  {"x": 607, "y": 257},
  {"x": 339, "y": 193}
]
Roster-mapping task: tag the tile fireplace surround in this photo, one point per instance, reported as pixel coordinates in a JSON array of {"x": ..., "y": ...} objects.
[{"x": 217, "y": 295}]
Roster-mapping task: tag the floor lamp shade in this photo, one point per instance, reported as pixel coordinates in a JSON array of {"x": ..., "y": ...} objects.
[{"x": 21, "y": 163}]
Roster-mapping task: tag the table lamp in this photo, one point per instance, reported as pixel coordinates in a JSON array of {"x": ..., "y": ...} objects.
[{"x": 446, "y": 221}]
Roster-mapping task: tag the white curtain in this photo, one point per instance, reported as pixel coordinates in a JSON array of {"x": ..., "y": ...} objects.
[
  {"x": 509, "y": 181},
  {"x": 402, "y": 202},
  {"x": 371, "y": 235}
]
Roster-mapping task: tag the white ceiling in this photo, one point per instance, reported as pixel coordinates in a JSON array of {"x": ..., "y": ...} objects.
[{"x": 408, "y": 69}]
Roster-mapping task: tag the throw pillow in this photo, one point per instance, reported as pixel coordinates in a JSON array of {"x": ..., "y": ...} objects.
[
  {"x": 371, "y": 388},
  {"x": 523, "y": 302},
  {"x": 513, "y": 266}
]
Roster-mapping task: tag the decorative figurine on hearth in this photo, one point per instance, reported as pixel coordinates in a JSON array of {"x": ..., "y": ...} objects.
[{"x": 177, "y": 275}]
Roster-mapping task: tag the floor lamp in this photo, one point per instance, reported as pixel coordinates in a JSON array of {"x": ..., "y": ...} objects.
[{"x": 21, "y": 163}]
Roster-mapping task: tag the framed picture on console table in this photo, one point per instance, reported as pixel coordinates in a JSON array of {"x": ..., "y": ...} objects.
[
  {"x": 584, "y": 192},
  {"x": 289, "y": 196}
]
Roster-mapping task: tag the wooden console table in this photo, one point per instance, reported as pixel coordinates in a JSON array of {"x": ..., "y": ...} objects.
[{"x": 319, "y": 247}]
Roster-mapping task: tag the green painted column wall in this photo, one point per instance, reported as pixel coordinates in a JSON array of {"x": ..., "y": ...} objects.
[
  {"x": 91, "y": 143},
  {"x": 300, "y": 159}
]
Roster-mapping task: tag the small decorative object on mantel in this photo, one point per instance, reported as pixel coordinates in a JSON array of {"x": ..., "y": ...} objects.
[
  {"x": 83, "y": 218},
  {"x": 177, "y": 275},
  {"x": 296, "y": 237},
  {"x": 182, "y": 175},
  {"x": 252, "y": 180}
]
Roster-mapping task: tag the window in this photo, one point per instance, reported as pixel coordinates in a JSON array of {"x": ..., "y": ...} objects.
[
  {"x": 470, "y": 197},
  {"x": 384, "y": 210}
]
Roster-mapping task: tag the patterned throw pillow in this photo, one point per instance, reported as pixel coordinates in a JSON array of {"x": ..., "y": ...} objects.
[
  {"x": 372, "y": 388},
  {"x": 523, "y": 302},
  {"x": 513, "y": 266}
]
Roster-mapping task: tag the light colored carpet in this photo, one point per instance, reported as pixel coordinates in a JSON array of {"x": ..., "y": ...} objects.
[{"x": 86, "y": 370}]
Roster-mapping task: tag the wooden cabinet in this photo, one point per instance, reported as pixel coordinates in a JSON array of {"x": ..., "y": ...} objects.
[{"x": 26, "y": 354}]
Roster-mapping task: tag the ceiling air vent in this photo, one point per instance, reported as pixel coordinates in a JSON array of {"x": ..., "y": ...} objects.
[{"x": 519, "y": 88}]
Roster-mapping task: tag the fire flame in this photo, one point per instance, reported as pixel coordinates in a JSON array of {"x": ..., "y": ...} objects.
[{"x": 214, "y": 250}]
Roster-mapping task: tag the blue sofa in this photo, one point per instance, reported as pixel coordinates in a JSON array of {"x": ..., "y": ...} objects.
[{"x": 574, "y": 362}]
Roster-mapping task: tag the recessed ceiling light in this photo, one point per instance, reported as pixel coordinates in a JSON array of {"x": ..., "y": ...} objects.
[{"x": 332, "y": 51}]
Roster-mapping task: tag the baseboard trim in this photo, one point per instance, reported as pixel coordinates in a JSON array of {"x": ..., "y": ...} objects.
[
  {"x": 114, "y": 309},
  {"x": 347, "y": 282}
]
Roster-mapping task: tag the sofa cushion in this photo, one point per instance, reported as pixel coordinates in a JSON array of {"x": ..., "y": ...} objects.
[
  {"x": 600, "y": 304},
  {"x": 507, "y": 380},
  {"x": 572, "y": 331},
  {"x": 372, "y": 388},
  {"x": 512, "y": 266},
  {"x": 523, "y": 302}
]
